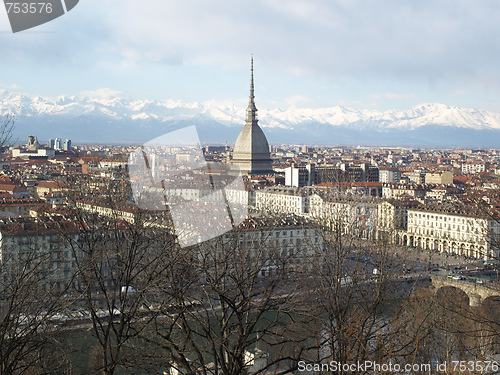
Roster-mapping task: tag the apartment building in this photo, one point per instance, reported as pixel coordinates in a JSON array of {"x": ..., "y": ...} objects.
[
  {"x": 282, "y": 200},
  {"x": 27, "y": 244},
  {"x": 269, "y": 244},
  {"x": 461, "y": 231}
]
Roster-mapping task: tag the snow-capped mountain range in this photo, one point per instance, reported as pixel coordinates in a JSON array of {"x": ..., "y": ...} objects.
[{"x": 113, "y": 119}]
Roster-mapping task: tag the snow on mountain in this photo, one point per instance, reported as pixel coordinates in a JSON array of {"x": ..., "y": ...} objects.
[
  {"x": 440, "y": 114},
  {"x": 166, "y": 110},
  {"x": 421, "y": 115},
  {"x": 121, "y": 115}
]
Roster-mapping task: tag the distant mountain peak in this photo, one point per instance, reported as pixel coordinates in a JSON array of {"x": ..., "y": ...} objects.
[{"x": 105, "y": 107}]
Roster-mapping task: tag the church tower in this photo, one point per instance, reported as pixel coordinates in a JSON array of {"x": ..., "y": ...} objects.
[{"x": 251, "y": 150}]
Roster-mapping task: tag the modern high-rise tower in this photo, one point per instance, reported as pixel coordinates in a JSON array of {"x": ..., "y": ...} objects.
[
  {"x": 251, "y": 150},
  {"x": 67, "y": 145}
]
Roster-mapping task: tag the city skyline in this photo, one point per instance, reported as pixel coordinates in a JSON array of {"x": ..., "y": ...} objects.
[{"x": 261, "y": 187}]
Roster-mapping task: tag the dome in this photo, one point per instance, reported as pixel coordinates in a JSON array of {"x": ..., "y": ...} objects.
[{"x": 251, "y": 140}]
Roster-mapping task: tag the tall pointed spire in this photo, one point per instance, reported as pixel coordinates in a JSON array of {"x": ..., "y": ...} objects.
[
  {"x": 252, "y": 96},
  {"x": 251, "y": 150},
  {"x": 252, "y": 109}
]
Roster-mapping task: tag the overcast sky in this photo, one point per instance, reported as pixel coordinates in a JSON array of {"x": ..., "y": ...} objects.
[{"x": 378, "y": 54}]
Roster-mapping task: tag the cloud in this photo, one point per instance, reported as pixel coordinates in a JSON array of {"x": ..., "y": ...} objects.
[
  {"x": 298, "y": 100},
  {"x": 13, "y": 86},
  {"x": 353, "y": 103},
  {"x": 448, "y": 42},
  {"x": 405, "y": 39},
  {"x": 392, "y": 96},
  {"x": 459, "y": 93},
  {"x": 102, "y": 93}
]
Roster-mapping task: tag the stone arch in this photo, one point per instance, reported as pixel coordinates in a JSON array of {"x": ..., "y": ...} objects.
[
  {"x": 452, "y": 294},
  {"x": 463, "y": 252},
  {"x": 436, "y": 245},
  {"x": 480, "y": 252},
  {"x": 445, "y": 246},
  {"x": 427, "y": 244},
  {"x": 448, "y": 289},
  {"x": 454, "y": 248},
  {"x": 490, "y": 306},
  {"x": 492, "y": 300}
]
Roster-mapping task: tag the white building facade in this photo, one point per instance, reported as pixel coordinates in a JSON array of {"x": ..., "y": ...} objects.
[
  {"x": 459, "y": 233},
  {"x": 282, "y": 200}
]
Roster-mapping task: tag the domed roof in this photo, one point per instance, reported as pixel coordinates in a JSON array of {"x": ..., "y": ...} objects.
[{"x": 251, "y": 140}]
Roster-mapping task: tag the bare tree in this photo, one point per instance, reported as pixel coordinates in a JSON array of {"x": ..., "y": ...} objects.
[
  {"x": 357, "y": 288},
  {"x": 119, "y": 255},
  {"x": 443, "y": 323},
  {"x": 31, "y": 293},
  {"x": 232, "y": 302},
  {"x": 6, "y": 128}
]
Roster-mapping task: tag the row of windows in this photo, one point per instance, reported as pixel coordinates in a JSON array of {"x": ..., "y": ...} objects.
[
  {"x": 15, "y": 208},
  {"x": 298, "y": 242},
  {"x": 284, "y": 233},
  {"x": 431, "y": 232},
  {"x": 440, "y": 217},
  {"x": 450, "y": 226}
]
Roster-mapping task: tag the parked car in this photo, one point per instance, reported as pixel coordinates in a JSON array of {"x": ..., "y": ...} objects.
[{"x": 346, "y": 280}]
